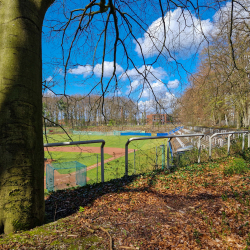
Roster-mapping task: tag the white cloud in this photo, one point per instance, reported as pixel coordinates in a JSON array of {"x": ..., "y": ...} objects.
[
  {"x": 145, "y": 71},
  {"x": 241, "y": 13},
  {"x": 169, "y": 97},
  {"x": 184, "y": 34},
  {"x": 87, "y": 70},
  {"x": 142, "y": 77},
  {"x": 82, "y": 70},
  {"x": 49, "y": 79},
  {"x": 133, "y": 86},
  {"x": 108, "y": 69},
  {"x": 48, "y": 93},
  {"x": 157, "y": 87},
  {"x": 173, "y": 84},
  {"x": 152, "y": 106}
]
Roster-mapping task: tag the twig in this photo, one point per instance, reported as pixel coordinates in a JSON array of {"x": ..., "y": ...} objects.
[
  {"x": 104, "y": 230},
  {"x": 124, "y": 247}
]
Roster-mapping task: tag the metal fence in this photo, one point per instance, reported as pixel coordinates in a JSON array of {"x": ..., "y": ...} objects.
[
  {"x": 158, "y": 153},
  {"x": 228, "y": 140},
  {"x": 169, "y": 137}
]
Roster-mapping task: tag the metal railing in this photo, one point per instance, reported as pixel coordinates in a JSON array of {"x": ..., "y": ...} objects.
[
  {"x": 82, "y": 142},
  {"x": 228, "y": 140},
  {"x": 169, "y": 137}
]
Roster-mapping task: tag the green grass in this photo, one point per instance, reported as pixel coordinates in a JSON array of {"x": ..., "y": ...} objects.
[
  {"x": 110, "y": 141},
  {"x": 145, "y": 155},
  {"x": 145, "y": 161},
  {"x": 87, "y": 159}
]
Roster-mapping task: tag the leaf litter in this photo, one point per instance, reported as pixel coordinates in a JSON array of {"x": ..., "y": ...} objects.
[{"x": 201, "y": 206}]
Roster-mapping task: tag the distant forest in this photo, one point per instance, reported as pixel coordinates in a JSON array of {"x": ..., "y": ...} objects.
[{"x": 79, "y": 111}]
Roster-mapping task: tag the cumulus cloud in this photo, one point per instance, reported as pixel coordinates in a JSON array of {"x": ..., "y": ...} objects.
[
  {"x": 240, "y": 10},
  {"x": 184, "y": 34},
  {"x": 145, "y": 71},
  {"x": 142, "y": 77},
  {"x": 87, "y": 70},
  {"x": 82, "y": 70},
  {"x": 241, "y": 13},
  {"x": 157, "y": 87},
  {"x": 108, "y": 69},
  {"x": 173, "y": 84},
  {"x": 151, "y": 106}
]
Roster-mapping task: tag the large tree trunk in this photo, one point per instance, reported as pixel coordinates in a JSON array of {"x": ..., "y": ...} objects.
[{"x": 21, "y": 141}]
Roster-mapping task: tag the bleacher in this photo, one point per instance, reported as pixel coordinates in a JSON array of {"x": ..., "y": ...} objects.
[{"x": 186, "y": 143}]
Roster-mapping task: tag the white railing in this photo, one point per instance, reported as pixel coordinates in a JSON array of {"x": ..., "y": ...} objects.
[
  {"x": 169, "y": 137},
  {"x": 228, "y": 140},
  {"x": 200, "y": 136}
]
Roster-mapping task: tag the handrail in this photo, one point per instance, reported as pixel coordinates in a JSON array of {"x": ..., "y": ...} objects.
[
  {"x": 82, "y": 142},
  {"x": 160, "y": 137},
  {"x": 228, "y": 140}
]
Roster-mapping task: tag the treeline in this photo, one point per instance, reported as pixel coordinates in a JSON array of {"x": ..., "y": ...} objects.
[
  {"x": 80, "y": 111},
  {"x": 219, "y": 91}
]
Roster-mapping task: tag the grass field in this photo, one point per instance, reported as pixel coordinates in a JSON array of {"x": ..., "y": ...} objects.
[
  {"x": 145, "y": 155},
  {"x": 110, "y": 141},
  {"x": 144, "y": 161},
  {"x": 113, "y": 169}
]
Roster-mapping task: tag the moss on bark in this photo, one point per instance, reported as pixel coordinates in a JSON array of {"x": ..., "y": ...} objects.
[{"x": 21, "y": 142}]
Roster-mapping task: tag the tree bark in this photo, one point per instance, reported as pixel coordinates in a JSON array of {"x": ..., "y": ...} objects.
[{"x": 21, "y": 140}]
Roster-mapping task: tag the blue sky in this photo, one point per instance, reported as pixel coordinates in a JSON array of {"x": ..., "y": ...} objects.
[{"x": 167, "y": 77}]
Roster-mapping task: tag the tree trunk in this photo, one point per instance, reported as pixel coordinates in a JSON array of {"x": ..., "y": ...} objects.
[{"x": 21, "y": 141}]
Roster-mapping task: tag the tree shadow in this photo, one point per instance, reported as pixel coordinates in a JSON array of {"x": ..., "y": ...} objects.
[{"x": 63, "y": 203}]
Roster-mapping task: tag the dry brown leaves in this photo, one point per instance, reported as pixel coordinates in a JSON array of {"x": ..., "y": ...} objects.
[{"x": 193, "y": 208}]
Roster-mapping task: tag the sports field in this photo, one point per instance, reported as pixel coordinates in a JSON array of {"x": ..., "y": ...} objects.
[{"x": 142, "y": 154}]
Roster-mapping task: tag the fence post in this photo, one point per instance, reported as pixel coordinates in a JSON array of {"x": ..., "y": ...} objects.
[
  {"x": 163, "y": 156},
  {"x": 248, "y": 144},
  {"x": 156, "y": 157},
  {"x": 97, "y": 169},
  {"x": 102, "y": 164},
  {"x": 210, "y": 147},
  {"x": 168, "y": 167},
  {"x": 199, "y": 149},
  {"x": 126, "y": 160},
  {"x": 243, "y": 142},
  {"x": 228, "y": 144},
  {"x": 134, "y": 161}
]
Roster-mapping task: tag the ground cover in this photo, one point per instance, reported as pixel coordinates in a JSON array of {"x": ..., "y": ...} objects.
[{"x": 199, "y": 206}]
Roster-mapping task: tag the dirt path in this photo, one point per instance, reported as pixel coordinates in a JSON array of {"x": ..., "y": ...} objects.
[
  {"x": 69, "y": 180},
  {"x": 111, "y": 151}
]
